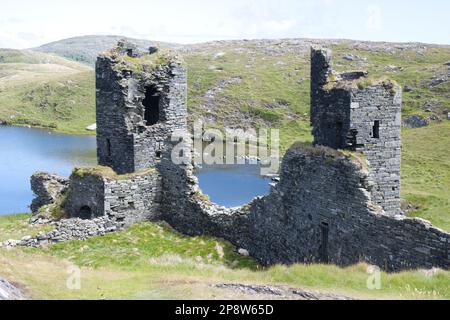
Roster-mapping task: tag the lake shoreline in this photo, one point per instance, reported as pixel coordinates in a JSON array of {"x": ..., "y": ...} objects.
[{"x": 6, "y": 123}]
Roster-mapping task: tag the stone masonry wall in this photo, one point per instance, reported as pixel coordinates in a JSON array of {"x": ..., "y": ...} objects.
[
  {"x": 112, "y": 129},
  {"x": 135, "y": 199},
  {"x": 320, "y": 211},
  {"x": 86, "y": 197},
  {"x": 381, "y": 103},
  {"x": 124, "y": 199},
  {"x": 125, "y": 141},
  {"x": 347, "y": 114}
]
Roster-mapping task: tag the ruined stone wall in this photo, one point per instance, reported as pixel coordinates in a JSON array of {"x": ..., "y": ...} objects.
[
  {"x": 86, "y": 197},
  {"x": 135, "y": 199},
  {"x": 150, "y": 141},
  {"x": 114, "y": 143},
  {"x": 125, "y": 140},
  {"x": 380, "y": 103},
  {"x": 124, "y": 199},
  {"x": 347, "y": 113},
  {"x": 320, "y": 211},
  {"x": 330, "y": 112},
  {"x": 330, "y": 118},
  {"x": 47, "y": 188}
]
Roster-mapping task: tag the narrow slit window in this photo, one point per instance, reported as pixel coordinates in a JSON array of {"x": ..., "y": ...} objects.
[
  {"x": 376, "y": 129},
  {"x": 151, "y": 106},
  {"x": 108, "y": 147},
  {"x": 323, "y": 254},
  {"x": 339, "y": 134}
]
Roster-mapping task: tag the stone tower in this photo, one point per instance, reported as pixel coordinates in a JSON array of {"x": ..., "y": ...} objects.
[
  {"x": 348, "y": 112},
  {"x": 141, "y": 101}
]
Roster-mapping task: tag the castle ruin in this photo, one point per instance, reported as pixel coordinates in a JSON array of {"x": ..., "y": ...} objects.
[
  {"x": 345, "y": 115},
  {"x": 338, "y": 201},
  {"x": 138, "y": 108}
]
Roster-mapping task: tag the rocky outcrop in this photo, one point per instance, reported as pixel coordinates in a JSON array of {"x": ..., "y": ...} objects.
[
  {"x": 413, "y": 122},
  {"x": 48, "y": 188},
  {"x": 276, "y": 292},
  {"x": 9, "y": 292}
]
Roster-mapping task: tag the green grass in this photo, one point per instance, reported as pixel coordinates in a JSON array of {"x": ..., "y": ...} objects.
[
  {"x": 426, "y": 172},
  {"x": 132, "y": 248},
  {"x": 16, "y": 226},
  {"x": 42, "y": 90},
  {"x": 150, "y": 260},
  {"x": 416, "y": 71}
]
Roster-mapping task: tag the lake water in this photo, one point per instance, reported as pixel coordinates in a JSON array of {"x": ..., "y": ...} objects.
[
  {"x": 27, "y": 150},
  {"x": 232, "y": 185}
]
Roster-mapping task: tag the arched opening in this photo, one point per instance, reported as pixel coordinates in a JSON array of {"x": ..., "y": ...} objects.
[
  {"x": 85, "y": 213},
  {"x": 151, "y": 106}
]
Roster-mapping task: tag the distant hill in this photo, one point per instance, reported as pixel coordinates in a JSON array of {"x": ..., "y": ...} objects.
[
  {"x": 45, "y": 90},
  {"x": 85, "y": 49}
]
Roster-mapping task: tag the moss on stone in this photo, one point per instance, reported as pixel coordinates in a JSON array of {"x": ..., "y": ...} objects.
[
  {"x": 202, "y": 197},
  {"x": 309, "y": 149},
  {"x": 329, "y": 154},
  {"x": 107, "y": 173},
  {"x": 143, "y": 63},
  {"x": 356, "y": 157},
  {"x": 56, "y": 210},
  {"x": 363, "y": 83}
]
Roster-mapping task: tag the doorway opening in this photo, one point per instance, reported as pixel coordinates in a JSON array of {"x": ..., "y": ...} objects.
[{"x": 85, "y": 213}]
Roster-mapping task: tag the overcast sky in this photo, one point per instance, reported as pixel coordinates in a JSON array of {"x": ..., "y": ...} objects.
[{"x": 29, "y": 23}]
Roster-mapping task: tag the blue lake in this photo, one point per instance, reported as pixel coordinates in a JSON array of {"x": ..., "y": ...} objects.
[
  {"x": 27, "y": 150},
  {"x": 232, "y": 185}
]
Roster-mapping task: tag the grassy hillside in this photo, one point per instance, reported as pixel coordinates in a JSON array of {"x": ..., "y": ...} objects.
[
  {"x": 426, "y": 172},
  {"x": 151, "y": 261},
  {"x": 45, "y": 90}
]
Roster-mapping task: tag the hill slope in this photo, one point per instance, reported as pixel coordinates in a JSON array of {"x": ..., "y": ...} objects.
[
  {"x": 85, "y": 49},
  {"x": 45, "y": 90}
]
